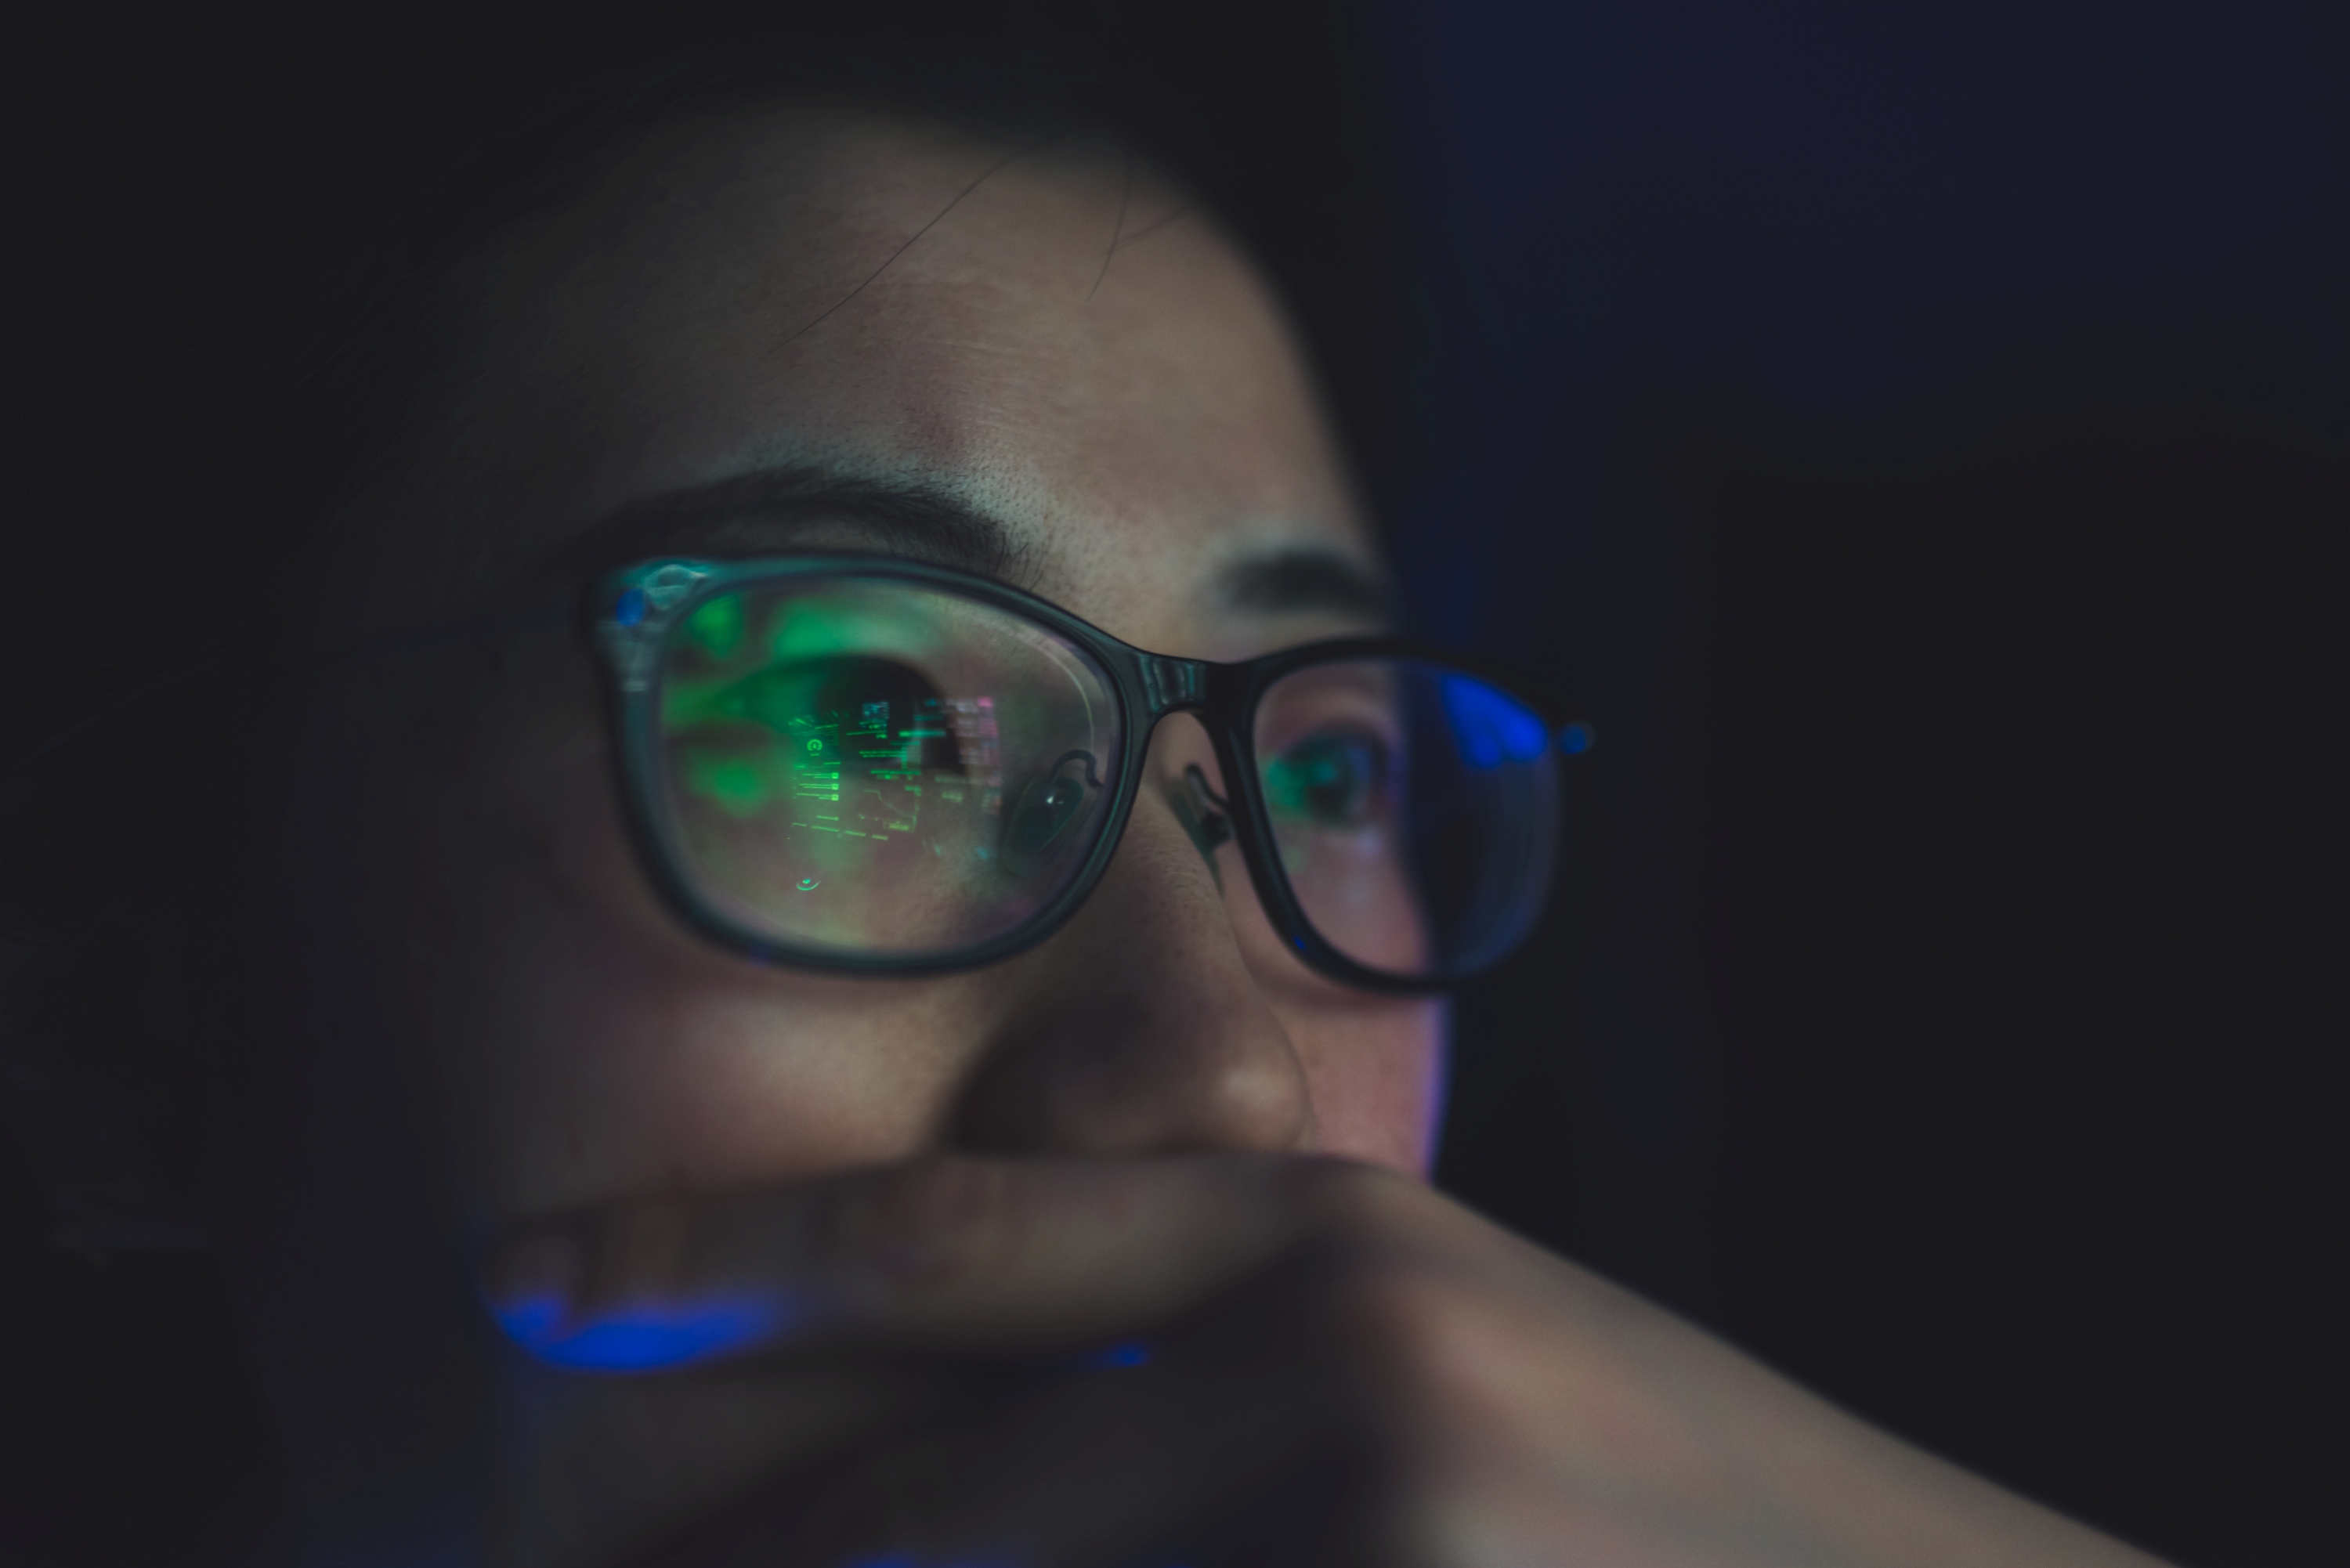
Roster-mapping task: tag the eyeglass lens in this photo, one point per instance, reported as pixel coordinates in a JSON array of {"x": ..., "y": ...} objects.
[
  {"x": 880, "y": 769},
  {"x": 875, "y": 768},
  {"x": 1415, "y": 810}
]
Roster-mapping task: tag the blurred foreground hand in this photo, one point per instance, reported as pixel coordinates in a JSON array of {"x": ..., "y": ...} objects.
[{"x": 1198, "y": 1360}]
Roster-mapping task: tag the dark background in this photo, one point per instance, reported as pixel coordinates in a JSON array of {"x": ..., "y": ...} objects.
[
  {"x": 1918, "y": 430},
  {"x": 1918, "y": 435}
]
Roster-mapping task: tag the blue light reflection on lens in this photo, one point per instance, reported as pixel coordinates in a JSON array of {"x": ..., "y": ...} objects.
[
  {"x": 631, "y": 610},
  {"x": 1577, "y": 739},
  {"x": 1127, "y": 1353},
  {"x": 643, "y": 1338},
  {"x": 1490, "y": 727}
]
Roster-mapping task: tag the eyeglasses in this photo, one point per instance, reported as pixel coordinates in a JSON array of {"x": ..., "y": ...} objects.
[{"x": 873, "y": 765}]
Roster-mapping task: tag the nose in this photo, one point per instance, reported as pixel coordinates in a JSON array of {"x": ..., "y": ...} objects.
[{"x": 1138, "y": 1028}]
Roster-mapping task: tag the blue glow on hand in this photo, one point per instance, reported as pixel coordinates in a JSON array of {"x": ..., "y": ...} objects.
[
  {"x": 531, "y": 1320},
  {"x": 642, "y": 1338},
  {"x": 1491, "y": 727}
]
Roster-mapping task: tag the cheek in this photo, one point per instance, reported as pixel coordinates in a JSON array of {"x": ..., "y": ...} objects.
[
  {"x": 589, "y": 1047},
  {"x": 1376, "y": 1064},
  {"x": 601, "y": 1071},
  {"x": 1377, "y": 1069}
]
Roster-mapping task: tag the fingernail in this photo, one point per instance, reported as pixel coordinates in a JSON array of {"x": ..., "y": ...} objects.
[{"x": 531, "y": 1286}]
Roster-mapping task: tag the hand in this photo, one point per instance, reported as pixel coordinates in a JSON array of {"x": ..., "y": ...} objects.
[{"x": 1344, "y": 1367}]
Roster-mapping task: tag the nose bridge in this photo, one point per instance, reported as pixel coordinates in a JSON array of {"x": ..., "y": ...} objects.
[{"x": 1148, "y": 1032}]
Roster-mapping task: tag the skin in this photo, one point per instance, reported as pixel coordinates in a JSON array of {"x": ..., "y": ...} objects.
[{"x": 517, "y": 1079}]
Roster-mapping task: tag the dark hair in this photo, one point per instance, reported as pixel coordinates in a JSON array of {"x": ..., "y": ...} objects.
[
  {"x": 265, "y": 394},
  {"x": 270, "y": 400},
  {"x": 205, "y": 405}
]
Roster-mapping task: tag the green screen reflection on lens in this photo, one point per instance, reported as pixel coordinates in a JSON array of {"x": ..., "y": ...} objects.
[
  {"x": 717, "y": 625},
  {"x": 840, "y": 758}
]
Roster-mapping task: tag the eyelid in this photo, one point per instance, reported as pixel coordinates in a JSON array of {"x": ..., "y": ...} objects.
[{"x": 1292, "y": 716}]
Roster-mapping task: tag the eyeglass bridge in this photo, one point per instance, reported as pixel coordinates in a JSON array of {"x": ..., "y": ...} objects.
[{"x": 1168, "y": 682}]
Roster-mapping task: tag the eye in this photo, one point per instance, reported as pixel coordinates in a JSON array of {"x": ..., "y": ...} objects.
[
  {"x": 1047, "y": 809},
  {"x": 1330, "y": 780}
]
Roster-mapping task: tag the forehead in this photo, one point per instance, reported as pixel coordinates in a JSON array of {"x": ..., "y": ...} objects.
[{"x": 1045, "y": 334}]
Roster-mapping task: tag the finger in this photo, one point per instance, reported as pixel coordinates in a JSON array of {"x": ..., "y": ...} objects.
[{"x": 947, "y": 1253}]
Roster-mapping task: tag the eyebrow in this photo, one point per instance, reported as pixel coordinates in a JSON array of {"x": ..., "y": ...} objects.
[
  {"x": 774, "y": 510},
  {"x": 1296, "y": 578}
]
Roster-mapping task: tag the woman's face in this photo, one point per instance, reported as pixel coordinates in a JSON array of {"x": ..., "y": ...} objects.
[{"x": 743, "y": 312}]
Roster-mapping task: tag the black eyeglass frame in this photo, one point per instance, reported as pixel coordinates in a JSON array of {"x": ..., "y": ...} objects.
[{"x": 635, "y": 611}]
